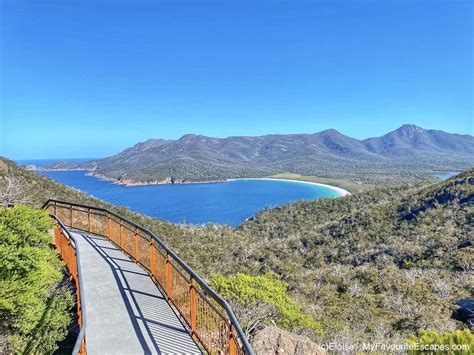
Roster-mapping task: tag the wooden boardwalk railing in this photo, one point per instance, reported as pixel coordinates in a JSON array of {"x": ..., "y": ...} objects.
[
  {"x": 209, "y": 318},
  {"x": 66, "y": 245}
]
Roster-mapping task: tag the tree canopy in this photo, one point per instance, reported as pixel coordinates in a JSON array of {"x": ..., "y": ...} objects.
[
  {"x": 34, "y": 304},
  {"x": 259, "y": 300}
]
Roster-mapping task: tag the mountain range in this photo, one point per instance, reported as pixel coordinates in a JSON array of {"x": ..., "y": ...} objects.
[{"x": 408, "y": 151}]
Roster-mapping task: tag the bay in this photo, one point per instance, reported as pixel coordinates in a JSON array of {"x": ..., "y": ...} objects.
[{"x": 230, "y": 202}]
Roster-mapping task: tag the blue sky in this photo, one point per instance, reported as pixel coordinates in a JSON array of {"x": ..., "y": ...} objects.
[{"x": 89, "y": 78}]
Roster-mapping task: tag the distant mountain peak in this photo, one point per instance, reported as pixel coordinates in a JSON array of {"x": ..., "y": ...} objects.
[
  {"x": 150, "y": 143},
  {"x": 410, "y": 128},
  {"x": 331, "y": 131},
  {"x": 188, "y": 136},
  {"x": 413, "y": 142}
]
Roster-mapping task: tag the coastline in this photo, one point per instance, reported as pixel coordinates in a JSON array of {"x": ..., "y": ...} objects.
[
  {"x": 168, "y": 181},
  {"x": 127, "y": 182},
  {"x": 57, "y": 169},
  {"x": 339, "y": 190}
]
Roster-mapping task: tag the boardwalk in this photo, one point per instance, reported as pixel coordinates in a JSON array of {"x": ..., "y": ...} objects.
[{"x": 127, "y": 314}]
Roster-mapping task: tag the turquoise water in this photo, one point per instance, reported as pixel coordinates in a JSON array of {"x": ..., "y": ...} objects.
[
  {"x": 229, "y": 202},
  {"x": 447, "y": 175}
]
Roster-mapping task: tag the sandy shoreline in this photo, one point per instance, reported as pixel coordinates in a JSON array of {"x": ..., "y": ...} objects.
[{"x": 339, "y": 190}]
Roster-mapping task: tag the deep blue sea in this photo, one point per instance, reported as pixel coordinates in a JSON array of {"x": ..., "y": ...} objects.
[{"x": 229, "y": 202}]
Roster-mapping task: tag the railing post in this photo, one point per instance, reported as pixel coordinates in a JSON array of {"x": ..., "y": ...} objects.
[
  {"x": 121, "y": 235},
  {"x": 152, "y": 259},
  {"x": 70, "y": 209},
  {"x": 168, "y": 277},
  {"x": 74, "y": 268},
  {"x": 109, "y": 227},
  {"x": 79, "y": 308},
  {"x": 137, "y": 248},
  {"x": 232, "y": 344},
  {"x": 55, "y": 212},
  {"x": 192, "y": 301},
  {"x": 89, "y": 219},
  {"x": 61, "y": 251},
  {"x": 83, "y": 346},
  {"x": 56, "y": 237},
  {"x": 68, "y": 255}
]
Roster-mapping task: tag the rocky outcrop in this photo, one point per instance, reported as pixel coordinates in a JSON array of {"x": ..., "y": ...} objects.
[
  {"x": 465, "y": 312},
  {"x": 3, "y": 166},
  {"x": 272, "y": 340}
]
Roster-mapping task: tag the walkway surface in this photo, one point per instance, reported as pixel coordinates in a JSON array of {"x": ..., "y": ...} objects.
[{"x": 126, "y": 312}]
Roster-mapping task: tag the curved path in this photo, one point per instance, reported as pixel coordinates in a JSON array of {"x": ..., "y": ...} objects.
[{"x": 126, "y": 312}]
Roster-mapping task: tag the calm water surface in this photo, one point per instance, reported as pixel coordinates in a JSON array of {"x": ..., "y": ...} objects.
[
  {"x": 446, "y": 176},
  {"x": 230, "y": 202}
]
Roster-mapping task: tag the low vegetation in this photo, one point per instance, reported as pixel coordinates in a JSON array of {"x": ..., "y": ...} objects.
[
  {"x": 374, "y": 266},
  {"x": 34, "y": 300},
  {"x": 260, "y": 301},
  {"x": 378, "y": 265},
  {"x": 458, "y": 342}
]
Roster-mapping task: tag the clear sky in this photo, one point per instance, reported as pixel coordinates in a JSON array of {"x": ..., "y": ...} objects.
[{"x": 89, "y": 78}]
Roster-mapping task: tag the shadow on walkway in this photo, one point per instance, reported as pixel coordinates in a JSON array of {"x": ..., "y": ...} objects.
[{"x": 156, "y": 326}]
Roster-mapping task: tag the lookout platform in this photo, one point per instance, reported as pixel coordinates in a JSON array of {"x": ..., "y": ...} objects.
[{"x": 127, "y": 313}]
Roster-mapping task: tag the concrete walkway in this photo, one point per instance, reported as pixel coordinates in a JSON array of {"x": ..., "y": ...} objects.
[{"x": 126, "y": 312}]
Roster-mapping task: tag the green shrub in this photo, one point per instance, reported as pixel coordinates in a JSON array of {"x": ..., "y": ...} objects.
[
  {"x": 34, "y": 307},
  {"x": 457, "y": 342},
  {"x": 259, "y": 300}
]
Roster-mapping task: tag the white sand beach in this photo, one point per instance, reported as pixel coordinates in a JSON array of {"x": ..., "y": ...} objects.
[{"x": 339, "y": 190}]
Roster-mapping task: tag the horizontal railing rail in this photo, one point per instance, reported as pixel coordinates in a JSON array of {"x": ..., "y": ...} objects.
[
  {"x": 66, "y": 244},
  {"x": 209, "y": 318}
]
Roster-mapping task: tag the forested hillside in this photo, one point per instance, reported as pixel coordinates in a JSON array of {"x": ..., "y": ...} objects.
[
  {"x": 407, "y": 153},
  {"x": 379, "y": 264},
  {"x": 376, "y": 266}
]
